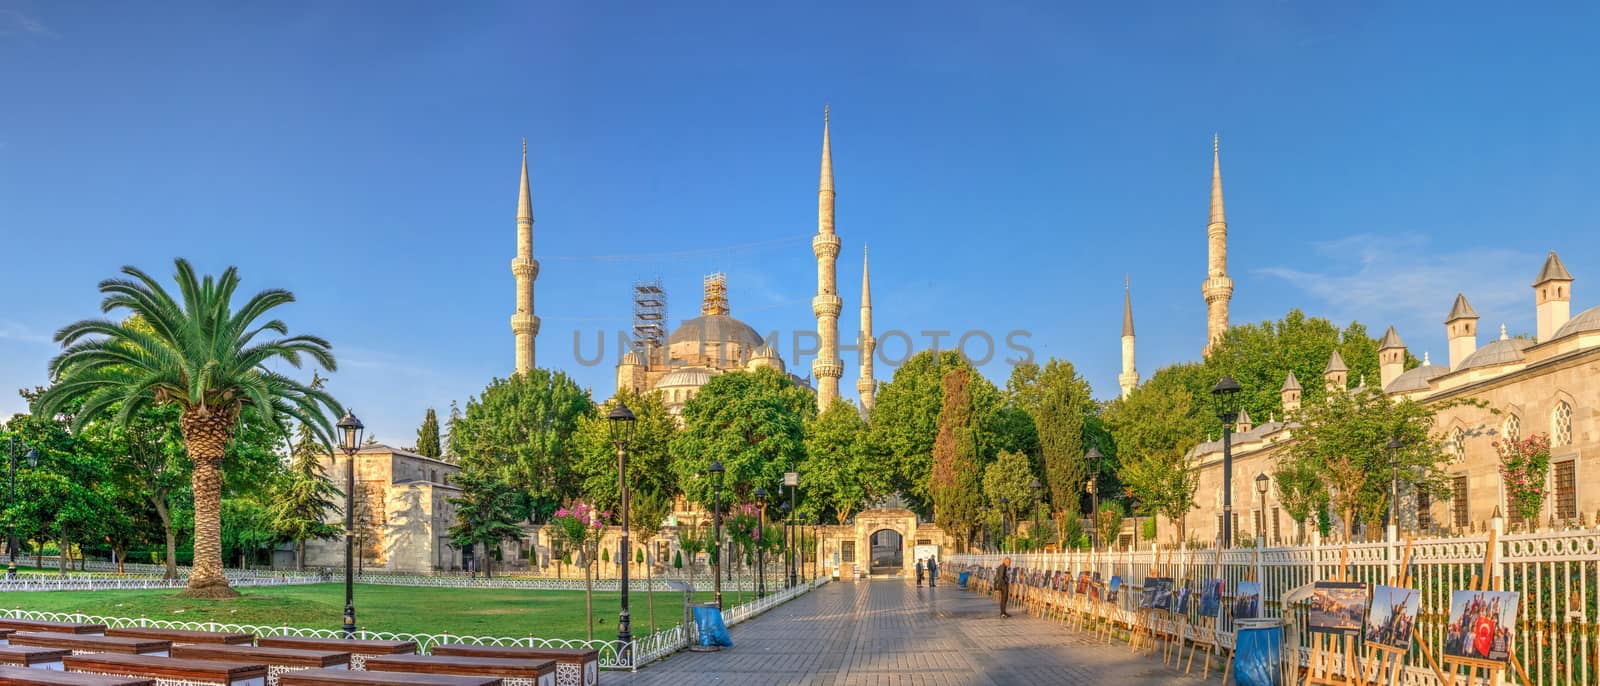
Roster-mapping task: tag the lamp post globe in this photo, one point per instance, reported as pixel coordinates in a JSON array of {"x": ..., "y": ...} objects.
[
  {"x": 350, "y": 429},
  {"x": 1226, "y": 396},
  {"x": 621, "y": 423}
]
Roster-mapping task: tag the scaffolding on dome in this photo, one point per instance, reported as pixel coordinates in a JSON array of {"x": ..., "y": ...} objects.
[
  {"x": 649, "y": 316},
  {"x": 716, "y": 294}
]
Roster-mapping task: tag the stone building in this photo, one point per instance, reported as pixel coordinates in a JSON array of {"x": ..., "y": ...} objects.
[
  {"x": 402, "y": 514},
  {"x": 1548, "y": 384}
]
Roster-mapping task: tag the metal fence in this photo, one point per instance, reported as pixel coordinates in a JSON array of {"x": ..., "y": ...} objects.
[
  {"x": 93, "y": 582},
  {"x": 1557, "y": 573}
]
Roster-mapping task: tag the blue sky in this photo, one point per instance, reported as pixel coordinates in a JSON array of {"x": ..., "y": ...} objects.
[{"x": 1007, "y": 163}]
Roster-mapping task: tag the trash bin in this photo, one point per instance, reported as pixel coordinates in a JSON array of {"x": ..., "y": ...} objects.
[
  {"x": 710, "y": 634},
  {"x": 961, "y": 580}
]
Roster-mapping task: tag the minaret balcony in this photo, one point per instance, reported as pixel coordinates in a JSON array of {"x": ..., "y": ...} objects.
[
  {"x": 525, "y": 322},
  {"x": 825, "y": 246},
  {"x": 827, "y": 305},
  {"x": 826, "y": 369},
  {"x": 1217, "y": 287},
  {"x": 525, "y": 267}
]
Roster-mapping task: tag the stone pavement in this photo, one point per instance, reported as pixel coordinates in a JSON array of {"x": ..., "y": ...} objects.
[{"x": 891, "y": 633}]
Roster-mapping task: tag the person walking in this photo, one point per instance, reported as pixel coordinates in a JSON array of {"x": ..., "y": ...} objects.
[
  {"x": 919, "y": 572},
  {"x": 1002, "y": 583},
  {"x": 933, "y": 572}
]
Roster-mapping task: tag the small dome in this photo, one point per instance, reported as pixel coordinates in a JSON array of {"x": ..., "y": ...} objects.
[
  {"x": 1587, "y": 320},
  {"x": 686, "y": 376},
  {"x": 1503, "y": 351},
  {"x": 716, "y": 328},
  {"x": 633, "y": 357},
  {"x": 1416, "y": 379}
]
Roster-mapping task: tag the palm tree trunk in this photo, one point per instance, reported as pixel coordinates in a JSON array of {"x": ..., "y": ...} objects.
[{"x": 205, "y": 434}]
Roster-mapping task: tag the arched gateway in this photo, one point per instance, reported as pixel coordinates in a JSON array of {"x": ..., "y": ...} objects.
[{"x": 879, "y": 542}]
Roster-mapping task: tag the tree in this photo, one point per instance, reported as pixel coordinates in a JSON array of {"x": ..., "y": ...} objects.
[
  {"x": 523, "y": 428},
  {"x": 649, "y": 456},
  {"x": 485, "y": 513},
  {"x": 751, "y": 422},
  {"x": 1343, "y": 439},
  {"x": 305, "y": 503},
  {"x": 839, "y": 472},
  {"x": 1155, "y": 427},
  {"x": 1109, "y": 524},
  {"x": 1301, "y": 491},
  {"x": 202, "y": 356},
  {"x": 905, "y": 421},
  {"x": 1009, "y": 478},
  {"x": 953, "y": 486},
  {"x": 580, "y": 527},
  {"x": 247, "y": 528},
  {"x": 428, "y": 436},
  {"x": 1524, "y": 463},
  {"x": 57, "y": 499},
  {"x": 1059, "y": 400},
  {"x": 647, "y": 512}
]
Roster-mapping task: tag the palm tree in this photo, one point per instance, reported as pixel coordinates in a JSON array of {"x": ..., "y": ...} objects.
[{"x": 201, "y": 356}]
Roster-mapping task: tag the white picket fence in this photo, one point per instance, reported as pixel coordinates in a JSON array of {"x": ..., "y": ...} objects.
[
  {"x": 92, "y": 582},
  {"x": 1556, "y": 637}
]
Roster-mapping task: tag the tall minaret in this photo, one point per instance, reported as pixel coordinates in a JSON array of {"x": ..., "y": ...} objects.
[
  {"x": 1218, "y": 288},
  {"x": 866, "y": 386},
  {"x": 523, "y": 322},
  {"x": 1129, "y": 378},
  {"x": 827, "y": 368}
]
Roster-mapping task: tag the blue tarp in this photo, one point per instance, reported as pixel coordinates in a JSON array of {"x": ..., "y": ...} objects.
[
  {"x": 712, "y": 631},
  {"x": 1258, "y": 657},
  {"x": 962, "y": 580}
]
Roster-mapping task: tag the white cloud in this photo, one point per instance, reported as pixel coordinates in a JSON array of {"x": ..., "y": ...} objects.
[{"x": 14, "y": 22}]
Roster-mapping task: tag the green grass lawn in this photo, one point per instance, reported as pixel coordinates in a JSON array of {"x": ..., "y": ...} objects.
[{"x": 401, "y": 609}]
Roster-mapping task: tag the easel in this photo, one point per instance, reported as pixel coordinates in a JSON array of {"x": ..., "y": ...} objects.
[
  {"x": 1491, "y": 669},
  {"x": 1144, "y": 622},
  {"x": 1327, "y": 651},
  {"x": 1386, "y": 662},
  {"x": 1205, "y": 631},
  {"x": 1180, "y": 620}
]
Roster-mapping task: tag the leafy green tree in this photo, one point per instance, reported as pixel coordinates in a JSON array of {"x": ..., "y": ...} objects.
[
  {"x": 647, "y": 512},
  {"x": 649, "y": 456},
  {"x": 202, "y": 356},
  {"x": 753, "y": 423},
  {"x": 305, "y": 503},
  {"x": 840, "y": 473},
  {"x": 1343, "y": 439},
  {"x": 1009, "y": 477},
  {"x": 954, "y": 485},
  {"x": 905, "y": 421},
  {"x": 485, "y": 512},
  {"x": 248, "y": 527},
  {"x": 428, "y": 436},
  {"x": 1155, "y": 427},
  {"x": 57, "y": 499},
  {"x": 1109, "y": 524},
  {"x": 523, "y": 428},
  {"x": 1301, "y": 491},
  {"x": 1060, "y": 402}
]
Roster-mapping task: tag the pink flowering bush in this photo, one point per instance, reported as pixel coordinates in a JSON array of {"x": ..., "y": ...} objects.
[
  {"x": 1523, "y": 466},
  {"x": 579, "y": 526}
]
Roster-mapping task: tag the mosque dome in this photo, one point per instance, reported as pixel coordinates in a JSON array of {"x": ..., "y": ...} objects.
[
  {"x": 716, "y": 328},
  {"x": 693, "y": 377},
  {"x": 1416, "y": 379},
  {"x": 1503, "y": 351},
  {"x": 1587, "y": 320}
]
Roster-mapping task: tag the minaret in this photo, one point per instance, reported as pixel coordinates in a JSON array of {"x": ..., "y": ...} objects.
[
  {"x": 827, "y": 368},
  {"x": 1129, "y": 379},
  {"x": 1552, "y": 296},
  {"x": 1461, "y": 327},
  {"x": 866, "y": 386},
  {"x": 1391, "y": 357},
  {"x": 1218, "y": 288},
  {"x": 523, "y": 322},
  {"x": 1290, "y": 395},
  {"x": 1336, "y": 376}
]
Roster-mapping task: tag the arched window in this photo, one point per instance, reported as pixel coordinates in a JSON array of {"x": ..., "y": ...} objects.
[
  {"x": 1456, "y": 447},
  {"x": 1513, "y": 429},
  {"x": 1561, "y": 425}
]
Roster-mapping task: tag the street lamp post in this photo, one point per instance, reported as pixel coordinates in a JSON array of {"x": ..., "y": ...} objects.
[
  {"x": 1005, "y": 531},
  {"x": 1261, "y": 490},
  {"x": 11, "y": 531},
  {"x": 787, "y": 543},
  {"x": 1038, "y": 492},
  {"x": 1226, "y": 393},
  {"x": 351, "y": 429},
  {"x": 716, "y": 535},
  {"x": 761, "y": 544},
  {"x": 1394, "y": 447},
  {"x": 792, "y": 480},
  {"x": 621, "y": 421},
  {"x": 801, "y": 523},
  {"x": 1094, "y": 494}
]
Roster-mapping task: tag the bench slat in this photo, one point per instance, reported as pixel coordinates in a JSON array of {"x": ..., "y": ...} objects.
[
  {"x": 340, "y": 644},
  {"x": 92, "y": 644},
  {"x": 340, "y": 677},
  {"x": 31, "y": 655},
  {"x": 25, "y": 676},
  {"x": 184, "y": 636},
  {"x": 444, "y": 664},
  {"x": 53, "y": 627},
  {"x": 576, "y": 655},
  {"x": 278, "y": 657},
  {"x": 167, "y": 667}
]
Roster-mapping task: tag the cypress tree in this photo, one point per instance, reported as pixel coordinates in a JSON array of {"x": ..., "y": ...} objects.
[{"x": 428, "y": 436}]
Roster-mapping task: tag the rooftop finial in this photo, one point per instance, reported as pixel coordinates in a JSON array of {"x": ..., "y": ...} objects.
[
  {"x": 1215, "y": 143},
  {"x": 1425, "y": 360},
  {"x": 824, "y": 113},
  {"x": 1502, "y": 332},
  {"x": 524, "y": 145}
]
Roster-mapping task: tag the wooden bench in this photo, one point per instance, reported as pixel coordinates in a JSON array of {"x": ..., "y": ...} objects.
[
  {"x": 28, "y": 656},
  {"x": 579, "y": 666},
  {"x": 277, "y": 660},
  {"x": 171, "y": 671},
  {"x": 359, "y": 650},
  {"x": 92, "y": 644},
  {"x": 23, "y": 676},
  {"x": 52, "y": 627},
  {"x": 185, "y": 637},
  {"x": 341, "y": 677},
  {"x": 514, "y": 671}
]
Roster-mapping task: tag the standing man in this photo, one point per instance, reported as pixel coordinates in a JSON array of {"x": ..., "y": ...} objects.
[
  {"x": 1002, "y": 583},
  {"x": 919, "y": 572},
  {"x": 933, "y": 572}
]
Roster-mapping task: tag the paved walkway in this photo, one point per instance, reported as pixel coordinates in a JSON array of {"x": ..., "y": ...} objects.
[{"x": 883, "y": 633}]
